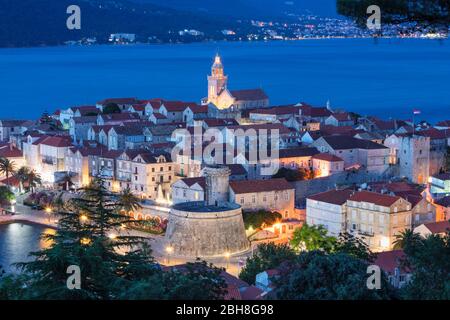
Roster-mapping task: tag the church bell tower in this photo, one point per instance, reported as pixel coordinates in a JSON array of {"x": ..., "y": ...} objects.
[{"x": 217, "y": 81}]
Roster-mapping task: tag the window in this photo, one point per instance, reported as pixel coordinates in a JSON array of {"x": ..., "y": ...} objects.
[{"x": 242, "y": 200}]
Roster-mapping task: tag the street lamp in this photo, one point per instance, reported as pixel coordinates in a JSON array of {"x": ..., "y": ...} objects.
[
  {"x": 84, "y": 218},
  {"x": 112, "y": 236},
  {"x": 48, "y": 211},
  {"x": 227, "y": 257},
  {"x": 169, "y": 250}
]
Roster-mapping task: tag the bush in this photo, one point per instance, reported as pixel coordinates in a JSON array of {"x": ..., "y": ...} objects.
[
  {"x": 260, "y": 219},
  {"x": 6, "y": 195}
]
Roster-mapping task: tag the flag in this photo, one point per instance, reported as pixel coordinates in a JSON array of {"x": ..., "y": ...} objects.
[{"x": 415, "y": 111}]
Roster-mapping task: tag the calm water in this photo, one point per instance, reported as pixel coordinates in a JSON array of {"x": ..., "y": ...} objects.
[
  {"x": 17, "y": 240},
  {"x": 385, "y": 78}
]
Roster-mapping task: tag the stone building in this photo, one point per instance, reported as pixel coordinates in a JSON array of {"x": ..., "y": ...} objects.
[
  {"x": 412, "y": 154},
  {"x": 377, "y": 218},
  {"x": 271, "y": 195},
  {"x": 328, "y": 209},
  {"x": 371, "y": 156}
]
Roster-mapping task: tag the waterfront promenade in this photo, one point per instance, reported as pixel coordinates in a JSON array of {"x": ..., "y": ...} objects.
[{"x": 25, "y": 214}]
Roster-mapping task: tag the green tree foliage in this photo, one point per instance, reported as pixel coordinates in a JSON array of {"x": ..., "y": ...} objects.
[
  {"x": 198, "y": 281},
  {"x": 260, "y": 219},
  {"x": 127, "y": 201},
  {"x": 294, "y": 175},
  {"x": 267, "y": 256},
  {"x": 312, "y": 238},
  {"x": 427, "y": 13},
  {"x": 353, "y": 246},
  {"x": 6, "y": 195},
  {"x": 119, "y": 267},
  {"x": 111, "y": 108},
  {"x": 87, "y": 243},
  {"x": 317, "y": 275},
  {"x": 429, "y": 261}
]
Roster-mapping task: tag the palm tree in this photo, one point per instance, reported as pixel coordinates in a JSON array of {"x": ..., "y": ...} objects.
[
  {"x": 7, "y": 168},
  {"x": 22, "y": 176},
  {"x": 404, "y": 238},
  {"x": 33, "y": 179},
  {"x": 128, "y": 201}
]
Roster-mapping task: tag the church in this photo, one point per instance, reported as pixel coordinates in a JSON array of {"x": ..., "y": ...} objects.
[{"x": 223, "y": 98}]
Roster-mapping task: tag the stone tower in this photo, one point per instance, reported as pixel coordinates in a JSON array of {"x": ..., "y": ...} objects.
[
  {"x": 217, "y": 184},
  {"x": 217, "y": 81}
]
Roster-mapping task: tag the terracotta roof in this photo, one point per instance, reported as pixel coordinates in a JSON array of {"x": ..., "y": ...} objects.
[
  {"x": 106, "y": 128},
  {"x": 138, "y": 107},
  {"x": 251, "y": 186},
  {"x": 85, "y": 119},
  {"x": 158, "y": 115},
  {"x": 279, "y": 110},
  {"x": 388, "y": 261},
  {"x": 54, "y": 141},
  {"x": 346, "y": 142},
  {"x": 220, "y": 122},
  {"x": 178, "y": 106},
  {"x": 232, "y": 293},
  {"x": 327, "y": 157},
  {"x": 7, "y": 150},
  {"x": 445, "y": 123},
  {"x": 267, "y": 126},
  {"x": 86, "y": 109},
  {"x": 329, "y": 130},
  {"x": 375, "y": 198},
  {"x": 394, "y": 187},
  {"x": 341, "y": 116},
  {"x": 249, "y": 95},
  {"x": 198, "y": 109},
  {"x": 191, "y": 181},
  {"x": 438, "y": 227},
  {"x": 433, "y": 133},
  {"x": 120, "y": 117},
  {"x": 297, "y": 152},
  {"x": 252, "y": 293},
  {"x": 338, "y": 197}
]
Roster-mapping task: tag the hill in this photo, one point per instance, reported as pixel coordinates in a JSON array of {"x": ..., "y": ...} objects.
[{"x": 43, "y": 22}]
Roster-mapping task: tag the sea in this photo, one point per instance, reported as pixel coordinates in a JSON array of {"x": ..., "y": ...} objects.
[{"x": 387, "y": 78}]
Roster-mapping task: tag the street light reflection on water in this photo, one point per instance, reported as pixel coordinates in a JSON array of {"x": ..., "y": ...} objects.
[{"x": 17, "y": 240}]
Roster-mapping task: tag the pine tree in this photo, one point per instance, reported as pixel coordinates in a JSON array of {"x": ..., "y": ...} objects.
[{"x": 91, "y": 234}]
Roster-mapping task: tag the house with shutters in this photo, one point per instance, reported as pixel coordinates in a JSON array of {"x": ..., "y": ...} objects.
[{"x": 370, "y": 156}]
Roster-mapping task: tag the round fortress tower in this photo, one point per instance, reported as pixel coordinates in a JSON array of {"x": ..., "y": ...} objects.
[
  {"x": 211, "y": 228},
  {"x": 217, "y": 184}
]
